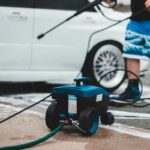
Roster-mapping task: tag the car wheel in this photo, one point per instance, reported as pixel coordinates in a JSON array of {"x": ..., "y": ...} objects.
[{"x": 103, "y": 58}]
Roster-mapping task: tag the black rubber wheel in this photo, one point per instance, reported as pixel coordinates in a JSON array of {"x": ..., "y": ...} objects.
[
  {"x": 52, "y": 116},
  {"x": 103, "y": 58},
  {"x": 89, "y": 120},
  {"x": 107, "y": 118}
]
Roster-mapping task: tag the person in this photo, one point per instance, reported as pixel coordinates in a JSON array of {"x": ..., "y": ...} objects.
[{"x": 137, "y": 45}]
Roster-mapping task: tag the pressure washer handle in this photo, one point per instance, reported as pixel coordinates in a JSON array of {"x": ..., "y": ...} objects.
[
  {"x": 81, "y": 79},
  {"x": 84, "y": 8},
  {"x": 88, "y": 6}
]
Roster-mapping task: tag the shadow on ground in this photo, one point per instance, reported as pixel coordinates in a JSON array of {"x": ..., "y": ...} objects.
[{"x": 26, "y": 87}]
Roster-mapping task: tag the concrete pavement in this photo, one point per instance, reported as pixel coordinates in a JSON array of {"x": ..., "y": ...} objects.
[
  {"x": 132, "y": 134},
  {"x": 25, "y": 128}
]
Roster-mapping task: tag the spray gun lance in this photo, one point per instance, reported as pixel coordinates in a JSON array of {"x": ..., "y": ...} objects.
[{"x": 84, "y": 8}]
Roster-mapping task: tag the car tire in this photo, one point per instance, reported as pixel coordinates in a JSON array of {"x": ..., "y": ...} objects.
[{"x": 103, "y": 58}]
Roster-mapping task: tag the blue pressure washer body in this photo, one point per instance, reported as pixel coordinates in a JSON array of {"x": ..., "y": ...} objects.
[{"x": 80, "y": 105}]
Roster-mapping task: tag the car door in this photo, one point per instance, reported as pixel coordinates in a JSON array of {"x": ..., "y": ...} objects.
[
  {"x": 64, "y": 49},
  {"x": 16, "y": 24}
]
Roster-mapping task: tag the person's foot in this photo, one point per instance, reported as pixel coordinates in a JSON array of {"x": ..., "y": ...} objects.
[{"x": 131, "y": 93}]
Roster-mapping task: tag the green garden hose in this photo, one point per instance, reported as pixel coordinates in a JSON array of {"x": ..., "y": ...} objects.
[{"x": 33, "y": 143}]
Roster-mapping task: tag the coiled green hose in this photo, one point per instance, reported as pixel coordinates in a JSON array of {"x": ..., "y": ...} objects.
[{"x": 33, "y": 143}]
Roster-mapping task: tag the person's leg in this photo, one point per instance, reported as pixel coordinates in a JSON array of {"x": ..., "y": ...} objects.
[
  {"x": 132, "y": 90},
  {"x": 137, "y": 47},
  {"x": 133, "y": 65},
  {"x": 134, "y": 43}
]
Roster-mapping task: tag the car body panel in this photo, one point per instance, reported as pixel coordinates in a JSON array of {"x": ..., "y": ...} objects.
[
  {"x": 15, "y": 38},
  {"x": 60, "y": 55}
]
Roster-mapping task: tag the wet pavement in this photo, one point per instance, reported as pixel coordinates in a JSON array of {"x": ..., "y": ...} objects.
[
  {"x": 25, "y": 128},
  {"x": 130, "y": 130},
  {"x": 136, "y": 117}
]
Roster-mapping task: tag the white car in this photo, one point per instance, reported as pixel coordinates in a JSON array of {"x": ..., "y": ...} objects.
[{"x": 63, "y": 53}]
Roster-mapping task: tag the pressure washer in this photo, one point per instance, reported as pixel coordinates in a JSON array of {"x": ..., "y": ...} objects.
[
  {"x": 86, "y": 109},
  {"x": 78, "y": 104}
]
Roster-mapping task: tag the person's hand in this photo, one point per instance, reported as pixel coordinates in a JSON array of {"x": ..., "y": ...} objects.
[{"x": 147, "y": 5}]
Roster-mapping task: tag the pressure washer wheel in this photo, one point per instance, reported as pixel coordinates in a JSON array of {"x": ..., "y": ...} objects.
[
  {"x": 52, "y": 116},
  {"x": 89, "y": 120},
  {"x": 107, "y": 118}
]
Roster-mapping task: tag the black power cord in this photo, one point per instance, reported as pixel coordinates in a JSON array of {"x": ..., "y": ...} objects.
[{"x": 19, "y": 112}]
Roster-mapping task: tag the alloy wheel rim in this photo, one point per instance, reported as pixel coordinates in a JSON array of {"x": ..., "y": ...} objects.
[{"x": 107, "y": 59}]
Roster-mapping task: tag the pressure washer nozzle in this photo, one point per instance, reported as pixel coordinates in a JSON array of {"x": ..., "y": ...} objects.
[
  {"x": 40, "y": 36},
  {"x": 66, "y": 122}
]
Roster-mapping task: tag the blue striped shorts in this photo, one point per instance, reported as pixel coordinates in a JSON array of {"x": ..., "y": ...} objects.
[{"x": 137, "y": 40}]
